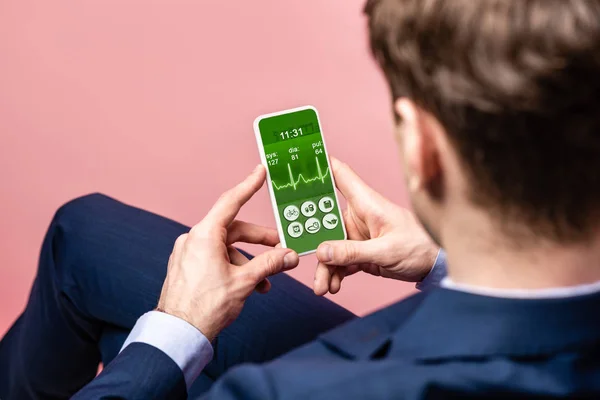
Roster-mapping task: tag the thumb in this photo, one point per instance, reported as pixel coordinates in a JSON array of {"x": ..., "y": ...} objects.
[
  {"x": 350, "y": 252},
  {"x": 270, "y": 263}
]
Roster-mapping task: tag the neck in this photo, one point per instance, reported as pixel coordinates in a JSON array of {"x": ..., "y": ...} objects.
[{"x": 480, "y": 256}]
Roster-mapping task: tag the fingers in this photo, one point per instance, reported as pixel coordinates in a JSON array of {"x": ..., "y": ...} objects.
[
  {"x": 338, "y": 259},
  {"x": 235, "y": 257},
  {"x": 240, "y": 231},
  {"x": 336, "y": 281},
  {"x": 322, "y": 281},
  {"x": 229, "y": 204},
  {"x": 263, "y": 287},
  {"x": 351, "y": 252},
  {"x": 239, "y": 259},
  {"x": 328, "y": 278},
  {"x": 347, "y": 181},
  {"x": 270, "y": 263}
]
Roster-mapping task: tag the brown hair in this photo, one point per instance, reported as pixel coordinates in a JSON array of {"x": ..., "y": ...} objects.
[{"x": 516, "y": 85}]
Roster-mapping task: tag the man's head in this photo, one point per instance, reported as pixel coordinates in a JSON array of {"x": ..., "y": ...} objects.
[{"x": 498, "y": 106}]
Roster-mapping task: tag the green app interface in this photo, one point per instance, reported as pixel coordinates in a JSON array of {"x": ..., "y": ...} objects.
[{"x": 301, "y": 179}]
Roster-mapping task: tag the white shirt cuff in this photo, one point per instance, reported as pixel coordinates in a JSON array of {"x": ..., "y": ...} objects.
[
  {"x": 437, "y": 273},
  {"x": 178, "y": 339}
]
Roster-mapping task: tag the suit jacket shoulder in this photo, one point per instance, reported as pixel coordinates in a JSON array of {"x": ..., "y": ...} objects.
[{"x": 444, "y": 344}]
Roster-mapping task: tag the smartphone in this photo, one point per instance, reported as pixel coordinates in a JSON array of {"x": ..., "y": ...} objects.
[{"x": 299, "y": 177}]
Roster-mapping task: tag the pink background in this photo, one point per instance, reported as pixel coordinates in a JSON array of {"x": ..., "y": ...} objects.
[{"x": 147, "y": 100}]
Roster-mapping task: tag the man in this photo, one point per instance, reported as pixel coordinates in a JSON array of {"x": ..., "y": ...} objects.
[{"x": 498, "y": 125}]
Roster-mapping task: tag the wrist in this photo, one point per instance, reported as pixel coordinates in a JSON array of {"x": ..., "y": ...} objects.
[
  {"x": 430, "y": 255},
  {"x": 209, "y": 332}
]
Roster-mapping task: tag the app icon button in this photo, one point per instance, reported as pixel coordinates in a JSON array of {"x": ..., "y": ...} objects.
[
  {"x": 330, "y": 221},
  {"x": 295, "y": 229},
  {"x": 312, "y": 225},
  {"x": 309, "y": 208},
  {"x": 326, "y": 204},
  {"x": 291, "y": 213}
]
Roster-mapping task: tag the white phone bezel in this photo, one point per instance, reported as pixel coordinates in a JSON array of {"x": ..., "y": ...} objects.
[{"x": 263, "y": 160}]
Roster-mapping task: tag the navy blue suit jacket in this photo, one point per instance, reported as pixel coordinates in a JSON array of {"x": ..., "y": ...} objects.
[{"x": 440, "y": 344}]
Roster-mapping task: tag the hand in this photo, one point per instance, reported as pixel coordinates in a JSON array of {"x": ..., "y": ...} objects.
[
  {"x": 384, "y": 239},
  {"x": 208, "y": 280}
]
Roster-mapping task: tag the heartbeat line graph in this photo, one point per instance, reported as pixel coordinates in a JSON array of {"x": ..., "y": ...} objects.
[{"x": 293, "y": 183}]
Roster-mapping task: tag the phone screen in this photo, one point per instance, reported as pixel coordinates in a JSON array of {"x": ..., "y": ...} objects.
[{"x": 300, "y": 180}]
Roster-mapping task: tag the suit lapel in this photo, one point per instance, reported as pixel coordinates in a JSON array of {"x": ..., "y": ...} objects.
[{"x": 365, "y": 338}]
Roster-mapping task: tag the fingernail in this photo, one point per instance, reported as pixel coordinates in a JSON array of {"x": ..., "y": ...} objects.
[
  {"x": 325, "y": 253},
  {"x": 290, "y": 260},
  {"x": 257, "y": 168}
]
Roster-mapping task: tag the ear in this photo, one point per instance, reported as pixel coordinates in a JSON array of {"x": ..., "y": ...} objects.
[{"x": 419, "y": 144}]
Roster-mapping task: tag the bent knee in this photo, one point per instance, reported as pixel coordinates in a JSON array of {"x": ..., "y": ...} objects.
[
  {"x": 83, "y": 214},
  {"x": 78, "y": 230},
  {"x": 83, "y": 207}
]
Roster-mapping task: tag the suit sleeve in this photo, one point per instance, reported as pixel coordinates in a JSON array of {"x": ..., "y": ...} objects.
[
  {"x": 140, "y": 371},
  {"x": 159, "y": 352}
]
